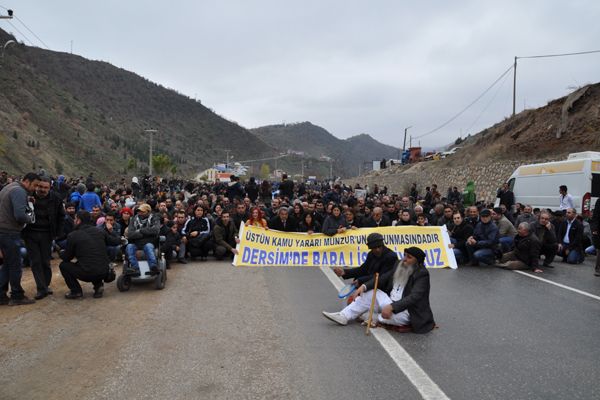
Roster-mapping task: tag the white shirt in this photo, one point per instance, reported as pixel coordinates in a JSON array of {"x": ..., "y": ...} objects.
[
  {"x": 566, "y": 238},
  {"x": 397, "y": 291},
  {"x": 566, "y": 201}
]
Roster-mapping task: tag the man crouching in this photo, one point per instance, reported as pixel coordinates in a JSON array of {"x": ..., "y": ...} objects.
[{"x": 402, "y": 298}]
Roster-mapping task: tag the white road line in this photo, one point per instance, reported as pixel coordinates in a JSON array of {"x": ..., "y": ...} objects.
[
  {"x": 560, "y": 285},
  {"x": 428, "y": 389}
]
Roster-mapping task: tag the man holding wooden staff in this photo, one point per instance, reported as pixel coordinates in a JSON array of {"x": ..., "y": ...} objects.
[{"x": 402, "y": 298}]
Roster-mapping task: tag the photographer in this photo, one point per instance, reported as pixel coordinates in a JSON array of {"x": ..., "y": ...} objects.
[{"x": 88, "y": 244}]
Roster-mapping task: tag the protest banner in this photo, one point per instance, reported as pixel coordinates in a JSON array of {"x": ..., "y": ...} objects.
[{"x": 259, "y": 247}]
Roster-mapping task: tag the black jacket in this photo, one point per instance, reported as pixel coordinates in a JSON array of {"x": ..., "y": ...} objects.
[
  {"x": 415, "y": 297},
  {"x": 370, "y": 222},
  {"x": 56, "y": 215},
  {"x": 461, "y": 233},
  {"x": 595, "y": 224},
  {"x": 575, "y": 235},
  {"x": 372, "y": 264},
  {"x": 252, "y": 191},
  {"x": 546, "y": 236},
  {"x": 286, "y": 189},
  {"x": 527, "y": 249},
  {"x": 88, "y": 244},
  {"x": 290, "y": 226},
  {"x": 316, "y": 227}
]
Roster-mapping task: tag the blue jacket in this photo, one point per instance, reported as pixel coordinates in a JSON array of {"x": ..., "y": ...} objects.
[
  {"x": 486, "y": 235},
  {"x": 89, "y": 200}
]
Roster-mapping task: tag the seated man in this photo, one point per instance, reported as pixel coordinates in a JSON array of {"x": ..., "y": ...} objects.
[
  {"x": 283, "y": 221},
  {"x": 570, "y": 238},
  {"x": 461, "y": 231},
  {"x": 482, "y": 245},
  {"x": 225, "y": 233},
  {"x": 88, "y": 244},
  {"x": 142, "y": 234},
  {"x": 545, "y": 231},
  {"x": 402, "y": 296},
  {"x": 506, "y": 230},
  {"x": 112, "y": 227},
  {"x": 380, "y": 259},
  {"x": 526, "y": 251}
]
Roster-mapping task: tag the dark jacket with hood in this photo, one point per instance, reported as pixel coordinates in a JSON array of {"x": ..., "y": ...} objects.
[
  {"x": 382, "y": 264},
  {"x": 88, "y": 244}
]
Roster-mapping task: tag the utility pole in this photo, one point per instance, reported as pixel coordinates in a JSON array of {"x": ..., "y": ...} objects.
[
  {"x": 227, "y": 159},
  {"x": 410, "y": 142},
  {"x": 404, "y": 145},
  {"x": 151, "y": 132},
  {"x": 331, "y": 169},
  {"x": 302, "y": 165},
  {"x": 514, "y": 86}
]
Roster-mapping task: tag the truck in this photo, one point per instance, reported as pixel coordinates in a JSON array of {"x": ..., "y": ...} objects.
[{"x": 537, "y": 184}]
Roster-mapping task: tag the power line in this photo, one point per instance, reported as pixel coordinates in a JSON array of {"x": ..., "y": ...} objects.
[
  {"x": 488, "y": 104},
  {"x": 561, "y": 55},
  {"x": 32, "y": 32},
  {"x": 20, "y": 33},
  {"x": 467, "y": 107}
]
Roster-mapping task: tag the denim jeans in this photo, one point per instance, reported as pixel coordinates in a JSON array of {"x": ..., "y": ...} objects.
[
  {"x": 148, "y": 251},
  {"x": 506, "y": 243},
  {"x": 485, "y": 256},
  {"x": 11, "y": 271}
]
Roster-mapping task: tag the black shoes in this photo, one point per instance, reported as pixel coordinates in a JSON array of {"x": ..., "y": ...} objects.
[
  {"x": 98, "y": 292},
  {"x": 4, "y": 300},
  {"x": 40, "y": 295},
  {"x": 21, "y": 302},
  {"x": 182, "y": 261},
  {"x": 154, "y": 270},
  {"x": 73, "y": 295}
]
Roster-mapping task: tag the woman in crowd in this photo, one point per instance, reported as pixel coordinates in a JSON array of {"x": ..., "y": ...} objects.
[
  {"x": 257, "y": 218},
  {"x": 334, "y": 223},
  {"x": 197, "y": 230},
  {"x": 309, "y": 224}
]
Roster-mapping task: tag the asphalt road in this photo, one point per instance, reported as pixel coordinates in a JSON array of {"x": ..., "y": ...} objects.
[{"x": 221, "y": 332}]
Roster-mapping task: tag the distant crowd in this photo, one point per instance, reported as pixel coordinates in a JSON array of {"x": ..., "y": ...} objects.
[{"x": 200, "y": 220}]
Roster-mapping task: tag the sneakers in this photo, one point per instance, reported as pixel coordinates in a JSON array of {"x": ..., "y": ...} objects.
[
  {"x": 336, "y": 317},
  {"x": 21, "y": 302}
]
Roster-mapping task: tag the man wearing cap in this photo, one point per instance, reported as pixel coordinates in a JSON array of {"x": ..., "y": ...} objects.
[
  {"x": 142, "y": 234},
  {"x": 380, "y": 259},
  {"x": 482, "y": 245},
  {"x": 402, "y": 297}
]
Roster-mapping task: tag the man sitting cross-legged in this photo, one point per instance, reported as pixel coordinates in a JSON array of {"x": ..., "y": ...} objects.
[{"x": 402, "y": 298}]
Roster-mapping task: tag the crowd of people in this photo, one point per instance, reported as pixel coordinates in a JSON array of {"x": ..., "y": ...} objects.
[{"x": 40, "y": 214}]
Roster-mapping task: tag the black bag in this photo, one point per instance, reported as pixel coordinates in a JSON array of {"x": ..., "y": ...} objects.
[{"x": 110, "y": 274}]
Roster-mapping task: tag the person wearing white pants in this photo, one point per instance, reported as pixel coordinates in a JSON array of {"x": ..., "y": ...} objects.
[{"x": 402, "y": 296}]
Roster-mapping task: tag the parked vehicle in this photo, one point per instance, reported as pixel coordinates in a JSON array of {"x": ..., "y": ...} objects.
[{"x": 537, "y": 184}]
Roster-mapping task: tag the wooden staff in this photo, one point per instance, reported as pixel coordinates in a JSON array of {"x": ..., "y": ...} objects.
[{"x": 372, "y": 304}]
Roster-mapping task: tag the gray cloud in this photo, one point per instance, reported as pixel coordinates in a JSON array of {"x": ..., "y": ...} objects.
[{"x": 348, "y": 66}]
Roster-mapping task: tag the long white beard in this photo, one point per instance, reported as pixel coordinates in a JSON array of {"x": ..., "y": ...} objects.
[{"x": 402, "y": 273}]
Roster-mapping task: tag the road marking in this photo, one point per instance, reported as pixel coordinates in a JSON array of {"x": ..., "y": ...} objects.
[
  {"x": 560, "y": 285},
  {"x": 428, "y": 389}
]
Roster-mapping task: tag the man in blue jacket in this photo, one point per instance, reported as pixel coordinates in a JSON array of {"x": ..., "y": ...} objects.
[{"x": 482, "y": 245}]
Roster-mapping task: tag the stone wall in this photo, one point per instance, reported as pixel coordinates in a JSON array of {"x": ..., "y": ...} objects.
[{"x": 488, "y": 178}]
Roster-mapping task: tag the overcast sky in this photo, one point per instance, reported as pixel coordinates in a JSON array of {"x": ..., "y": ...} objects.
[{"x": 349, "y": 66}]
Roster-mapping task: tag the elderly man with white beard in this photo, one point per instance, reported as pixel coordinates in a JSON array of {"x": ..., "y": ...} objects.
[{"x": 402, "y": 297}]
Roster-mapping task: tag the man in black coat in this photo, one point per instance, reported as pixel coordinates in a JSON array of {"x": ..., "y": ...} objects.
[
  {"x": 570, "y": 238},
  {"x": 402, "y": 296},
  {"x": 546, "y": 232},
  {"x": 283, "y": 221},
  {"x": 286, "y": 188},
  {"x": 88, "y": 244},
  {"x": 380, "y": 259},
  {"x": 526, "y": 252},
  {"x": 377, "y": 219},
  {"x": 48, "y": 225}
]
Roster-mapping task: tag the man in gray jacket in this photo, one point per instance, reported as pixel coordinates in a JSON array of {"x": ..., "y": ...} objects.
[{"x": 15, "y": 213}]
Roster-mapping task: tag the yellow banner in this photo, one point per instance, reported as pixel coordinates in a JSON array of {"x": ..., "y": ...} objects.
[{"x": 259, "y": 247}]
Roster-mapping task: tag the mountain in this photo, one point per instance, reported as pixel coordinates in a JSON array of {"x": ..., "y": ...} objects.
[
  {"x": 75, "y": 116},
  {"x": 317, "y": 142}
]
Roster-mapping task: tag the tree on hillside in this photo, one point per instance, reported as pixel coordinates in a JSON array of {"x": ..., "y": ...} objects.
[
  {"x": 161, "y": 163},
  {"x": 265, "y": 171}
]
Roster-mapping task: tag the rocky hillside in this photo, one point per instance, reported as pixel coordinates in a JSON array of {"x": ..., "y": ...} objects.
[
  {"x": 75, "y": 116},
  {"x": 566, "y": 125},
  {"x": 316, "y": 142}
]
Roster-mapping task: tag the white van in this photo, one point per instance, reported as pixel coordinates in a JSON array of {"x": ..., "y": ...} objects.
[{"x": 537, "y": 184}]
